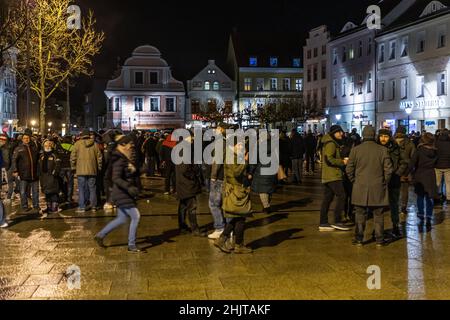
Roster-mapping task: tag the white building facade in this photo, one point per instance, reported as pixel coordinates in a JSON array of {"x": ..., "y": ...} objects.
[
  {"x": 210, "y": 90},
  {"x": 413, "y": 70},
  {"x": 8, "y": 92},
  {"x": 145, "y": 96}
]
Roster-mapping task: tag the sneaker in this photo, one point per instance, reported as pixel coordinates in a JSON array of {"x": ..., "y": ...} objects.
[
  {"x": 80, "y": 210},
  {"x": 134, "y": 249},
  {"x": 215, "y": 235},
  {"x": 99, "y": 241},
  {"x": 4, "y": 225},
  {"x": 241, "y": 249},
  {"x": 341, "y": 227},
  {"x": 326, "y": 228},
  {"x": 397, "y": 232},
  {"x": 108, "y": 206},
  {"x": 267, "y": 210},
  {"x": 357, "y": 243},
  {"x": 383, "y": 243},
  {"x": 95, "y": 209},
  {"x": 198, "y": 233}
]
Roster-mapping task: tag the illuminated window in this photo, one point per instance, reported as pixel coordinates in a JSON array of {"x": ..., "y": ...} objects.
[
  {"x": 420, "y": 85},
  {"x": 207, "y": 85},
  {"x": 442, "y": 84},
  {"x": 405, "y": 46},
  {"x": 138, "y": 104},
  {"x": 299, "y": 84},
  {"x": 253, "y": 61},
  {"x": 216, "y": 86},
  {"x": 296, "y": 63},
  {"x": 369, "y": 82},
  {"x": 170, "y": 104},
  {"x": 351, "y": 52},
  {"x": 155, "y": 104},
  {"x": 274, "y": 84},
  {"x": 247, "y": 84},
  {"x": 404, "y": 88},
  {"x": 273, "y": 61}
]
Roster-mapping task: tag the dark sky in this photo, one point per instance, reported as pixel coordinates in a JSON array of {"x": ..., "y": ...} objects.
[{"x": 188, "y": 33}]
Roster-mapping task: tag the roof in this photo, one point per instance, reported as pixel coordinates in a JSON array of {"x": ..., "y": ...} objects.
[
  {"x": 285, "y": 46},
  {"x": 413, "y": 14},
  {"x": 146, "y": 56}
]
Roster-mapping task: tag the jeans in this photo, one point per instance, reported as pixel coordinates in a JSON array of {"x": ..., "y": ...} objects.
[
  {"x": 24, "y": 194},
  {"x": 335, "y": 188},
  {"x": 11, "y": 181},
  {"x": 378, "y": 220},
  {"x": 421, "y": 200},
  {"x": 67, "y": 177},
  {"x": 86, "y": 188},
  {"x": 122, "y": 217},
  {"x": 215, "y": 204},
  {"x": 394, "y": 196},
  {"x": 443, "y": 174},
  {"x": 297, "y": 167}
]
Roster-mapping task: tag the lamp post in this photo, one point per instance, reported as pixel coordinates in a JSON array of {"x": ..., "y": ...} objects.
[
  {"x": 408, "y": 110},
  {"x": 63, "y": 131},
  {"x": 10, "y": 122}
]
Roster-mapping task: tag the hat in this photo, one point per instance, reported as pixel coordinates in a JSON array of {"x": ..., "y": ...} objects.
[
  {"x": 368, "y": 133},
  {"x": 401, "y": 130},
  {"x": 85, "y": 133},
  {"x": 427, "y": 139},
  {"x": 336, "y": 128},
  {"x": 385, "y": 132},
  {"x": 28, "y": 132}
]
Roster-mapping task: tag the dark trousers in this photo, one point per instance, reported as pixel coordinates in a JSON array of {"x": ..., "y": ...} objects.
[
  {"x": 237, "y": 226},
  {"x": 349, "y": 207},
  {"x": 394, "y": 197},
  {"x": 188, "y": 207},
  {"x": 378, "y": 219},
  {"x": 405, "y": 193},
  {"x": 67, "y": 179},
  {"x": 332, "y": 189},
  {"x": 169, "y": 175},
  {"x": 310, "y": 162}
]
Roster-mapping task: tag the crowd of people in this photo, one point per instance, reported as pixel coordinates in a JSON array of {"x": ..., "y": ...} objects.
[{"x": 367, "y": 175}]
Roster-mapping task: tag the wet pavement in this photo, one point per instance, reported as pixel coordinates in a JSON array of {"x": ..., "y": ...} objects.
[{"x": 292, "y": 260}]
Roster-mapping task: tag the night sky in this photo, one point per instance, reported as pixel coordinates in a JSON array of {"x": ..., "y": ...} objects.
[{"x": 188, "y": 33}]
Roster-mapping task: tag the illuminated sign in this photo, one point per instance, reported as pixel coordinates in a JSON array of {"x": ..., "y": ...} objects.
[
  {"x": 359, "y": 116},
  {"x": 423, "y": 103}
]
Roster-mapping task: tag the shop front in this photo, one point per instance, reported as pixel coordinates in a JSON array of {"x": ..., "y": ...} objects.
[{"x": 350, "y": 120}]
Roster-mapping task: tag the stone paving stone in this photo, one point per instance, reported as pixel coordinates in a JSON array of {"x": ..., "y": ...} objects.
[
  {"x": 43, "y": 279},
  {"x": 226, "y": 294},
  {"x": 17, "y": 292}
]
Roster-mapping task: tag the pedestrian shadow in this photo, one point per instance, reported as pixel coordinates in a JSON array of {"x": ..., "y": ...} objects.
[
  {"x": 152, "y": 241},
  {"x": 266, "y": 220},
  {"x": 275, "y": 239},
  {"x": 292, "y": 204},
  {"x": 439, "y": 217},
  {"x": 56, "y": 231}
]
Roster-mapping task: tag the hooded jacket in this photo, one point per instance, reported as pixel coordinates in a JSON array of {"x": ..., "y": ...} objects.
[
  {"x": 422, "y": 166},
  {"x": 399, "y": 163},
  {"x": 124, "y": 174},
  {"x": 406, "y": 146},
  {"x": 333, "y": 165},
  {"x": 86, "y": 158},
  {"x": 443, "y": 152}
]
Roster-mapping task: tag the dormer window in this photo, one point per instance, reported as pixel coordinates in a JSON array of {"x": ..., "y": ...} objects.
[
  {"x": 139, "y": 78},
  {"x": 207, "y": 85},
  {"x": 216, "y": 86},
  {"x": 253, "y": 61},
  {"x": 273, "y": 61},
  {"x": 153, "y": 77}
]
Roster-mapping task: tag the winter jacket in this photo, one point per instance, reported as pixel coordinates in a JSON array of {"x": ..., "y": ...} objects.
[
  {"x": 369, "y": 168},
  {"x": 236, "y": 195},
  {"x": 124, "y": 174},
  {"x": 86, "y": 158},
  {"x": 333, "y": 165},
  {"x": 297, "y": 147},
  {"x": 399, "y": 164},
  {"x": 310, "y": 144},
  {"x": 422, "y": 166},
  {"x": 49, "y": 169},
  {"x": 64, "y": 151},
  {"x": 25, "y": 162},
  {"x": 262, "y": 183},
  {"x": 407, "y": 147},
  {"x": 188, "y": 181},
  {"x": 443, "y": 152},
  {"x": 6, "y": 154},
  {"x": 285, "y": 152}
]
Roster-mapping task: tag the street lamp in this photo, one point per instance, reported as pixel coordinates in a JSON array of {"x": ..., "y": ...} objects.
[
  {"x": 63, "y": 131},
  {"x": 49, "y": 126},
  {"x": 33, "y": 124},
  {"x": 10, "y": 122},
  {"x": 408, "y": 110}
]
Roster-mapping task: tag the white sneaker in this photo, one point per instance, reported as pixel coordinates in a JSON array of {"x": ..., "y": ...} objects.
[
  {"x": 108, "y": 206},
  {"x": 215, "y": 235},
  {"x": 4, "y": 225}
]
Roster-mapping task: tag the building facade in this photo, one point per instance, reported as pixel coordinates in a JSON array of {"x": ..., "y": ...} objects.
[
  {"x": 145, "y": 95},
  {"x": 8, "y": 92},
  {"x": 267, "y": 71},
  {"x": 413, "y": 69},
  {"x": 210, "y": 90},
  {"x": 315, "y": 57}
]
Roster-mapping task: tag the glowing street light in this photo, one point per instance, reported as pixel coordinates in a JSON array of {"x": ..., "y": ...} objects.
[
  {"x": 10, "y": 122},
  {"x": 408, "y": 111}
]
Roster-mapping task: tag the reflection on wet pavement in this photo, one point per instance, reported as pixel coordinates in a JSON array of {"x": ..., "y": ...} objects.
[{"x": 292, "y": 260}]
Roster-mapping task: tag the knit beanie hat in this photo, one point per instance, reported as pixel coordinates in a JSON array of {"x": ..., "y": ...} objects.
[
  {"x": 336, "y": 128},
  {"x": 385, "y": 132}
]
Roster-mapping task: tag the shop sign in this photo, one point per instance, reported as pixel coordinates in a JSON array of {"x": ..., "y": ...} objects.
[
  {"x": 359, "y": 116},
  {"x": 423, "y": 103}
]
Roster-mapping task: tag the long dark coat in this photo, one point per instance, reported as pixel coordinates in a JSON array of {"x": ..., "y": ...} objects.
[
  {"x": 188, "y": 181},
  {"x": 422, "y": 166},
  {"x": 262, "y": 183},
  {"x": 49, "y": 178},
  {"x": 370, "y": 169}
]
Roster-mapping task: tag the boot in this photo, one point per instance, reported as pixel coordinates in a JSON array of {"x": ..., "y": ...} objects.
[
  {"x": 241, "y": 249},
  {"x": 55, "y": 207},
  {"x": 194, "y": 225},
  {"x": 397, "y": 232},
  {"x": 221, "y": 244}
]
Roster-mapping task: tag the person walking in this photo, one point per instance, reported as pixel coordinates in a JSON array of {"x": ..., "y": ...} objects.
[
  {"x": 236, "y": 204},
  {"x": 86, "y": 161},
  {"x": 400, "y": 168},
  {"x": 332, "y": 180},
  {"x": 49, "y": 177},
  {"x": 408, "y": 148},
  {"x": 25, "y": 167},
  {"x": 369, "y": 168},
  {"x": 124, "y": 193},
  {"x": 297, "y": 152},
  {"x": 422, "y": 166},
  {"x": 443, "y": 164}
]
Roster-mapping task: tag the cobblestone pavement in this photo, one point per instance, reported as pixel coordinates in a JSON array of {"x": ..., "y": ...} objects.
[{"x": 292, "y": 260}]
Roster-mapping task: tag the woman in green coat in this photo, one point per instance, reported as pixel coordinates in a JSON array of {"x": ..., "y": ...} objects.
[{"x": 236, "y": 204}]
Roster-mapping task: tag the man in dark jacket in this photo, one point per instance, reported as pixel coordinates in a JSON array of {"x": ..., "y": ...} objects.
[
  {"x": 63, "y": 150},
  {"x": 408, "y": 148},
  {"x": 188, "y": 184},
  {"x": 7, "y": 149},
  {"x": 370, "y": 169},
  {"x": 297, "y": 152},
  {"x": 149, "y": 150},
  {"x": 310, "y": 148},
  {"x": 24, "y": 165},
  {"x": 400, "y": 167},
  {"x": 443, "y": 163},
  {"x": 167, "y": 164},
  {"x": 332, "y": 179}
]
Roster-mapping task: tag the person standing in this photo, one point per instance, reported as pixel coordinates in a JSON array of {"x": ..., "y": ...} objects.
[
  {"x": 369, "y": 168},
  {"x": 86, "y": 161},
  {"x": 25, "y": 166},
  {"x": 49, "y": 173},
  {"x": 443, "y": 164},
  {"x": 408, "y": 148},
  {"x": 332, "y": 180},
  {"x": 400, "y": 168},
  {"x": 124, "y": 193},
  {"x": 422, "y": 166},
  {"x": 64, "y": 151},
  {"x": 297, "y": 152},
  {"x": 5, "y": 154},
  {"x": 167, "y": 165},
  {"x": 310, "y": 152}
]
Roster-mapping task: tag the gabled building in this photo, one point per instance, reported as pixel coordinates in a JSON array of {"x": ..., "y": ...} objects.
[
  {"x": 210, "y": 90},
  {"x": 8, "y": 92},
  {"x": 267, "y": 69},
  {"x": 145, "y": 95}
]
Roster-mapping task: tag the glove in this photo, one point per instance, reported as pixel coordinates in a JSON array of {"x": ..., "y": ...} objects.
[{"x": 133, "y": 191}]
